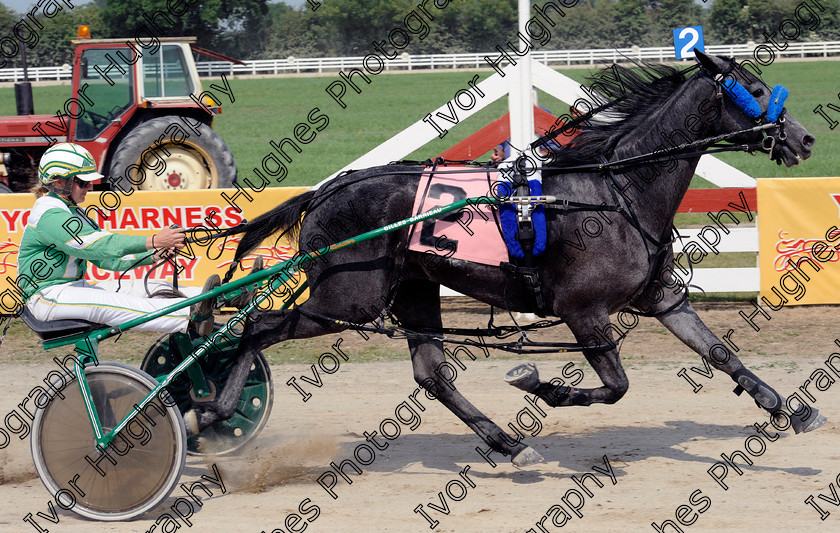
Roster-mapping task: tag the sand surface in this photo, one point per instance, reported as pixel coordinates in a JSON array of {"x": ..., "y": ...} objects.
[{"x": 639, "y": 461}]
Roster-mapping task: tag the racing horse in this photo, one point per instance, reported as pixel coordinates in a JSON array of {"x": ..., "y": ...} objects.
[{"x": 633, "y": 257}]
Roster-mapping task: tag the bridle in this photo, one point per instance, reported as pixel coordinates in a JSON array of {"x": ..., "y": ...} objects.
[
  {"x": 770, "y": 118},
  {"x": 725, "y": 81}
]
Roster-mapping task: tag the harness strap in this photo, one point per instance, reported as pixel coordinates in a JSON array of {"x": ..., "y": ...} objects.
[
  {"x": 629, "y": 213},
  {"x": 531, "y": 276},
  {"x": 351, "y": 325},
  {"x": 659, "y": 313},
  {"x": 521, "y": 345},
  {"x": 661, "y": 246}
]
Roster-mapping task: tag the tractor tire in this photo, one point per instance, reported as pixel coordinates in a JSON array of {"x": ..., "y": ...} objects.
[{"x": 199, "y": 161}]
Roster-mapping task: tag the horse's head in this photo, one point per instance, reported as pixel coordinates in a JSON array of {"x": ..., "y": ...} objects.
[{"x": 747, "y": 101}]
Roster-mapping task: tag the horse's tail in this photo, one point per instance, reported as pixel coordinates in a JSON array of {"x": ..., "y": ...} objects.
[{"x": 286, "y": 217}]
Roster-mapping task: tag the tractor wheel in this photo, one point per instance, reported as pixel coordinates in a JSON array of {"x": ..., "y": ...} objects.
[{"x": 199, "y": 161}]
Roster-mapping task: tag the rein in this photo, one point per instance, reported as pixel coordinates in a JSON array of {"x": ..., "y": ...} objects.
[
  {"x": 738, "y": 93},
  {"x": 677, "y": 152},
  {"x": 239, "y": 228},
  {"x": 227, "y": 232}
]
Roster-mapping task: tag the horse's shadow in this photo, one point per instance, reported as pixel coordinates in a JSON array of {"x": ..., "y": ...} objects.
[{"x": 575, "y": 453}]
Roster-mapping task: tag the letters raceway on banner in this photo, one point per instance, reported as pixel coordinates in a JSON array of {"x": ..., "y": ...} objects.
[{"x": 355, "y": 429}]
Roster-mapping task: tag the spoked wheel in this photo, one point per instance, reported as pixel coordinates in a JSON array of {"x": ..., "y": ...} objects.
[
  {"x": 254, "y": 405},
  {"x": 143, "y": 463}
]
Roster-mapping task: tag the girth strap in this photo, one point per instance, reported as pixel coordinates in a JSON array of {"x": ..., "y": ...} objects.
[{"x": 531, "y": 276}]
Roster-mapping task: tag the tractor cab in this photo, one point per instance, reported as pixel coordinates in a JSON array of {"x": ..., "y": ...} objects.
[{"x": 137, "y": 107}]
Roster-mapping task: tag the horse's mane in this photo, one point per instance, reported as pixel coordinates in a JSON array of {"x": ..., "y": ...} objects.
[{"x": 641, "y": 90}]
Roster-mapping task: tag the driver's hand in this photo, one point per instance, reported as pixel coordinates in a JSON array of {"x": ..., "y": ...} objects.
[{"x": 168, "y": 238}]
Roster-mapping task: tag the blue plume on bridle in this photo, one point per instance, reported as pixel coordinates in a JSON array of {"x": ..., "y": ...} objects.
[
  {"x": 777, "y": 103},
  {"x": 750, "y": 106}
]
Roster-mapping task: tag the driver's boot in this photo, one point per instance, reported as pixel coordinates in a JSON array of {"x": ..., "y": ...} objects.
[
  {"x": 244, "y": 299},
  {"x": 201, "y": 313}
]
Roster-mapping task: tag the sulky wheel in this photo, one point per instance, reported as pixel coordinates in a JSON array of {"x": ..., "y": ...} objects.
[
  {"x": 199, "y": 161},
  {"x": 143, "y": 463},
  {"x": 254, "y": 405}
]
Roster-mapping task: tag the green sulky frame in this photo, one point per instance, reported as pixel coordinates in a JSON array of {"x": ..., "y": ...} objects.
[{"x": 87, "y": 344}]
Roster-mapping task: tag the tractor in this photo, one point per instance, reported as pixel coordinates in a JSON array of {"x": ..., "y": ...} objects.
[{"x": 138, "y": 107}]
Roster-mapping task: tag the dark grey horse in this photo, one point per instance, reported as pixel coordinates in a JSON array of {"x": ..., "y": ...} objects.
[{"x": 629, "y": 261}]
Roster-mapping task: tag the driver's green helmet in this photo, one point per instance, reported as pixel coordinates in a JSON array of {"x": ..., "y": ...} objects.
[{"x": 67, "y": 160}]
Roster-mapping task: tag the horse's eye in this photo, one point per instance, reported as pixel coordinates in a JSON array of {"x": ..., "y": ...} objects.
[{"x": 758, "y": 92}]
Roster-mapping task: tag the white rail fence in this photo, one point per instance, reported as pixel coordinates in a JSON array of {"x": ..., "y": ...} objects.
[
  {"x": 300, "y": 65},
  {"x": 725, "y": 279}
]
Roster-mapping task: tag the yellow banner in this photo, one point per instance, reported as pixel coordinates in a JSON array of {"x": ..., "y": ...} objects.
[
  {"x": 146, "y": 213},
  {"x": 797, "y": 228}
]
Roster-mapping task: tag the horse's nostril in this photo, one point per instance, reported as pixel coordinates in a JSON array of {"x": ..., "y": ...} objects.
[{"x": 808, "y": 141}]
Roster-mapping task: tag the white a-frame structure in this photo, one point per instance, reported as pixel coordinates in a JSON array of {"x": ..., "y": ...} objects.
[{"x": 517, "y": 82}]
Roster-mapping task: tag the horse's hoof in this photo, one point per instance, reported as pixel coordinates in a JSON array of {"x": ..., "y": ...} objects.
[
  {"x": 527, "y": 457},
  {"x": 817, "y": 423},
  {"x": 524, "y": 376},
  {"x": 814, "y": 421}
]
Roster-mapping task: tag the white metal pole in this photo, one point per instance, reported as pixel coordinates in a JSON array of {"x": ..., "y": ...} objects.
[{"x": 519, "y": 102}]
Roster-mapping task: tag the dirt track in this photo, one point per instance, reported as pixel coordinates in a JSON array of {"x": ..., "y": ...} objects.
[{"x": 659, "y": 440}]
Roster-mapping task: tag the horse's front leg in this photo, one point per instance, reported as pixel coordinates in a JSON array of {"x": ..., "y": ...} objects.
[
  {"x": 683, "y": 322},
  {"x": 417, "y": 305},
  {"x": 604, "y": 360}
]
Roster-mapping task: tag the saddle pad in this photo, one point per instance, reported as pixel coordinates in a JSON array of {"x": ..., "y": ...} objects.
[{"x": 470, "y": 234}]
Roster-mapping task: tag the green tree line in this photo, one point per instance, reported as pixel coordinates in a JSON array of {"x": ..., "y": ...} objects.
[{"x": 256, "y": 29}]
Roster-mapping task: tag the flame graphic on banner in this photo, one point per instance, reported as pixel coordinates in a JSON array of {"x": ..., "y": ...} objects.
[
  {"x": 8, "y": 253},
  {"x": 271, "y": 254},
  {"x": 796, "y": 249}
]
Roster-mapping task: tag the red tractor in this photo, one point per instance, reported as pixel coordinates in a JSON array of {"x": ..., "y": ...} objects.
[{"x": 138, "y": 108}]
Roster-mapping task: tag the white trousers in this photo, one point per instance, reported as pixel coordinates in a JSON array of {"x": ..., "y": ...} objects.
[{"x": 102, "y": 304}]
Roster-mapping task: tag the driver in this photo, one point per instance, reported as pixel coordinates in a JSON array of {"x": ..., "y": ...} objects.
[{"x": 59, "y": 240}]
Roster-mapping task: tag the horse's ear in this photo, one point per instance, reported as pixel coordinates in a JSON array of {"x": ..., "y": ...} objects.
[{"x": 707, "y": 62}]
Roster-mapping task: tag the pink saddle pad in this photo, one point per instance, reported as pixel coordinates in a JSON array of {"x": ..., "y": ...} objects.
[{"x": 470, "y": 234}]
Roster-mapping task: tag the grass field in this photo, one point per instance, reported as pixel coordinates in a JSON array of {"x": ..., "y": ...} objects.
[{"x": 269, "y": 109}]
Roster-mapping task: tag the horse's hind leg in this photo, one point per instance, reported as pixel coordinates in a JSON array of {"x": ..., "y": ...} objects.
[
  {"x": 269, "y": 328},
  {"x": 224, "y": 405},
  {"x": 687, "y": 326},
  {"x": 363, "y": 284},
  {"x": 604, "y": 361},
  {"x": 417, "y": 305}
]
